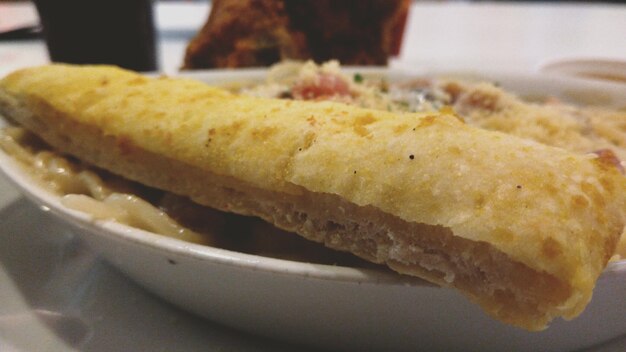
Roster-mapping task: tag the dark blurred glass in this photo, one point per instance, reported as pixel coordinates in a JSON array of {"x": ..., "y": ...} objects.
[{"x": 118, "y": 32}]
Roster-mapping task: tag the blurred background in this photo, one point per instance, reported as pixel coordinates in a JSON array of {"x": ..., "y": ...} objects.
[
  {"x": 167, "y": 36},
  {"x": 500, "y": 34}
]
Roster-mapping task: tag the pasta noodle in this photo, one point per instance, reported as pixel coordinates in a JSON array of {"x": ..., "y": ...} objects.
[{"x": 85, "y": 191}]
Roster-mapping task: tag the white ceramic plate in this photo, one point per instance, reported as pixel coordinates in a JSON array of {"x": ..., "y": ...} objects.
[{"x": 332, "y": 306}]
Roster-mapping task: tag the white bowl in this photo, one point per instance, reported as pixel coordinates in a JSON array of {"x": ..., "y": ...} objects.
[{"x": 331, "y": 306}]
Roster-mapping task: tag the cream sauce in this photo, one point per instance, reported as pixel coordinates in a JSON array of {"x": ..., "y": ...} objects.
[{"x": 82, "y": 189}]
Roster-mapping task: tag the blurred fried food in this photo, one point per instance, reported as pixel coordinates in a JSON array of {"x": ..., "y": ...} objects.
[{"x": 248, "y": 33}]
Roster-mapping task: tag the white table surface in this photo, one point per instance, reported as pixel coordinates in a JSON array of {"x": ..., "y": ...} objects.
[{"x": 40, "y": 263}]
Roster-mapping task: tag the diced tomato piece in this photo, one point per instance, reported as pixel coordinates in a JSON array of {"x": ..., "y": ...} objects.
[{"x": 327, "y": 85}]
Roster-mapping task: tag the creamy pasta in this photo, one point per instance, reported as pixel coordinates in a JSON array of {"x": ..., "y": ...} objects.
[{"x": 82, "y": 189}]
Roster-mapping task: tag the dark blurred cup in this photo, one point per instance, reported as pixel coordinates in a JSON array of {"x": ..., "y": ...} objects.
[{"x": 117, "y": 32}]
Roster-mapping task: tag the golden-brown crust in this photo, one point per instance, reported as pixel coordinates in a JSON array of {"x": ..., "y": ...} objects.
[{"x": 506, "y": 221}]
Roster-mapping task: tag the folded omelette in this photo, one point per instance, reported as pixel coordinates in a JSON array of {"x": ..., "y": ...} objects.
[{"x": 519, "y": 227}]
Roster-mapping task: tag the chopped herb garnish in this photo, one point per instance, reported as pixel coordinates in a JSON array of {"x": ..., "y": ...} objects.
[{"x": 358, "y": 78}]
